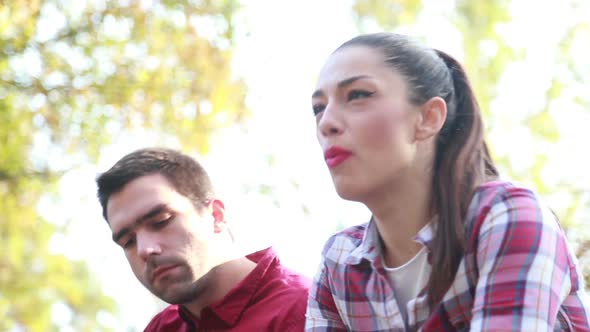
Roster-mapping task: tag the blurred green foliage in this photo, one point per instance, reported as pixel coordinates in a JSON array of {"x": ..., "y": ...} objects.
[{"x": 73, "y": 76}]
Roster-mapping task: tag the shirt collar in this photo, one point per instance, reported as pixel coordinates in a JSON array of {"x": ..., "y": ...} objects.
[
  {"x": 426, "y": 234},
  {"x": 230, "y": 308},
  {"x": 370, "y": 246}
]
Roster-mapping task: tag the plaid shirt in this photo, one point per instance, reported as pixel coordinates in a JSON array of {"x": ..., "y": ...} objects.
[{"x": 517, "y": 274}]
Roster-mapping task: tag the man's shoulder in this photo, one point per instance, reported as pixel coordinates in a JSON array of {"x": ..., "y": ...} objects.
[
  {"x": 168, "y": 319},
  {"x": 288, "y": 283},
  {"x": 273, "y": 281},
  {"x": 293, "y": 279},
  {"x": 275, "y": 270},
  {"x": 279, "y": 298},
  {"x": 287, "y": 298}
]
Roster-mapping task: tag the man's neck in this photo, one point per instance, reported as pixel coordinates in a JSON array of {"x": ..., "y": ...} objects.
[{"x": 219, "y": 282}]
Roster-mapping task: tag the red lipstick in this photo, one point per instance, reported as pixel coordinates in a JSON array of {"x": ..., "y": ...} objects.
[{"x": 336, "y": 155}]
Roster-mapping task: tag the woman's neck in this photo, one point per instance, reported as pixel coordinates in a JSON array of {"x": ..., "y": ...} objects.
[{"x": 400, "y": 211}]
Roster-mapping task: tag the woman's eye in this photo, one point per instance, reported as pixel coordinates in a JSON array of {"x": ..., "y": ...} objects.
[
  {"x": 318, "y": 108},
  {"x": 356, "y": 94}
]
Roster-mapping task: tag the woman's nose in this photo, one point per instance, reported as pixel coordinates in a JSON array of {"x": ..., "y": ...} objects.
[{"x": 329, "y": 123}]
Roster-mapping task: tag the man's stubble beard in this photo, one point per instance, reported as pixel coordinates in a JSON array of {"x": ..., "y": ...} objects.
[{"x": 181, "y": 289}]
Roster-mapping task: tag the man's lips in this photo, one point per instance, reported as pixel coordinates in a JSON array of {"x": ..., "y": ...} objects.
[
  {"x": 160, "y": 271},
  {"x": 336, "y": 155}
]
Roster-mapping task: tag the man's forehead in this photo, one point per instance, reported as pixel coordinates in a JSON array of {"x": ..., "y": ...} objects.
[
  {"x": 126, "y": 206},
  {"x": 122, "y": 215}
]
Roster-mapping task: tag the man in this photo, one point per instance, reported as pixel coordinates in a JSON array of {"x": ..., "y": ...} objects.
[{"x": 160, "y": 206}]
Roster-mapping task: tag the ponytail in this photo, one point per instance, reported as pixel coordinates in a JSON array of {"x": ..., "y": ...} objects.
[{"x": 462, "y": 162}]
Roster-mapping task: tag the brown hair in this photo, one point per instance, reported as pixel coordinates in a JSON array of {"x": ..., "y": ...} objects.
[
  {"x": 462, "y": 160},
  {"x": 184, "y": 173}
]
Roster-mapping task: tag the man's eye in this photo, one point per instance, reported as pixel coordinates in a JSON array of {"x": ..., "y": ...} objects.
[
  {"x": 129, "y": 243},
  {"x": 161, "y": 223},
  {"x": 318, "y": 108},
  {"x": 357, "y": 94}
]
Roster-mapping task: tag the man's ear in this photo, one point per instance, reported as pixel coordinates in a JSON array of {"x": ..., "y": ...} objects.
[
  {"x": 433, "y": 114},
  {"x": 218, "y": 213}
]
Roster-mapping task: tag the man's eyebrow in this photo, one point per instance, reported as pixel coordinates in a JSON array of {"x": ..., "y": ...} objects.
[
  {"x": 317, "y": 93},
  {"x": 340, "y": 85},
  {"x": 146, "y": 216}
]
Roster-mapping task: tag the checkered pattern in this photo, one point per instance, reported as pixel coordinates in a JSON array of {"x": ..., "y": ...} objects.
[{"x": 518, "y": 274}]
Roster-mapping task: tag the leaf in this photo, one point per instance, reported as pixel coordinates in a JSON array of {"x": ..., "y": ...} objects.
[{"x": 107, "y": 69}]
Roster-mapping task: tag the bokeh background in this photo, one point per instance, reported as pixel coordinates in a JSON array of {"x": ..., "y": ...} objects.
[{"x": 84, "y": 82}]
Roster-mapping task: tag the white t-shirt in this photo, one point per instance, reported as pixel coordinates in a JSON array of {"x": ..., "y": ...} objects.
[{"x": 409, "y": 279}]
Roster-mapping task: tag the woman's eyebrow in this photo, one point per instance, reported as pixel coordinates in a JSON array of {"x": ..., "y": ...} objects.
[{"x": 341, "y": 84}]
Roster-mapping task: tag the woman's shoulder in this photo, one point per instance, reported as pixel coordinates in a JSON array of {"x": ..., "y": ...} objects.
[
  {"x": 500, "y": 186},
  {"x": 506, "y": 202},
  {"x": 502, "y": 192},
  {"x": 340, "y": 245}
]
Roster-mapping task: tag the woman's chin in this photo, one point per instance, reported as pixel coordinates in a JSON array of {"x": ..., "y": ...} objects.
[{"x": 349, "y": 193}]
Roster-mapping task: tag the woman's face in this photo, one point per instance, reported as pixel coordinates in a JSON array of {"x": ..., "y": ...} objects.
[{"x": 365, "y": 123}]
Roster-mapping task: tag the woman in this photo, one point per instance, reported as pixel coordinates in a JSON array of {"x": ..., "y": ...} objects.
[{"x": 449, "y": 246}]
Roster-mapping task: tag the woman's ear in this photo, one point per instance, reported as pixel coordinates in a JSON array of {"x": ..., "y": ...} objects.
[{"x": 433, "y": 114}]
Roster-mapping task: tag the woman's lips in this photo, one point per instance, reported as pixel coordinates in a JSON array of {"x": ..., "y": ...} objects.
[{"x": 336, "y": 155}]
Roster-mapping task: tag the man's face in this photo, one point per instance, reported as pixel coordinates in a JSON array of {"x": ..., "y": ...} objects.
[{"x": 165, "y": 238}]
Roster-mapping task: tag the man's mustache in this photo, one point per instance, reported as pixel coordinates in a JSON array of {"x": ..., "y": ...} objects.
[{"x": 155, "y": 262}]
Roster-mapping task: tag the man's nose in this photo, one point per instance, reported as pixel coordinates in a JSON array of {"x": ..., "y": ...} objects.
[{"x": 147, "y": 245}]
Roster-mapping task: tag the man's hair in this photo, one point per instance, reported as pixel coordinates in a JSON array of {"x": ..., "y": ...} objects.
[{"x": 183, "y": 172}]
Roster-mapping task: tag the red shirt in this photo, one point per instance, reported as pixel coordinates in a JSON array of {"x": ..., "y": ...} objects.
[{"x": 270, "y": 298}]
